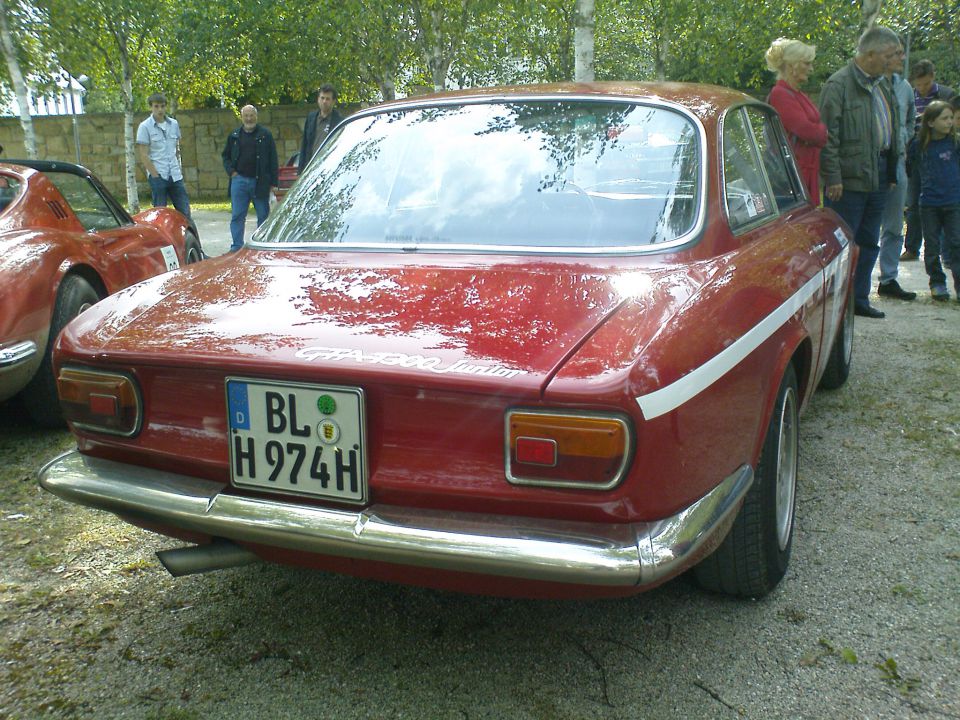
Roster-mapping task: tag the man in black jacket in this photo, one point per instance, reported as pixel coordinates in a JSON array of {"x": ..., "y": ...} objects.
[
  {"x": 318, "y": 125},
  {"x": 250, "y": 159}
]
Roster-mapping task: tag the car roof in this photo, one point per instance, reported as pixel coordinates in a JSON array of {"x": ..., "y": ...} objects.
[{"x": 703, "y": 101}]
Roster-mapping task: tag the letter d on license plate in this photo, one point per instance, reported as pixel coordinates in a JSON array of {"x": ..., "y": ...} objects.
[{"x": 297, "y": 438}]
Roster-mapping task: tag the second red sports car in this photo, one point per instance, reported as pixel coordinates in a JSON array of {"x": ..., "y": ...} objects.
[{"x": 66, "y": 243}]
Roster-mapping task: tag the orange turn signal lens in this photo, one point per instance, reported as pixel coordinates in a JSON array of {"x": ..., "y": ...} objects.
[
  {"x": 567, "y": 449},
  {"x": 100, "y": 401}
]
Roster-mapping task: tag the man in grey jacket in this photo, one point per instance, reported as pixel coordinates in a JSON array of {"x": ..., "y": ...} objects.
[{"x": 859, "y": 162}]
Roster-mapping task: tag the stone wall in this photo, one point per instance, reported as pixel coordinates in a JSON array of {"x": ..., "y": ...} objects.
[{"x": 102, "y": 144}]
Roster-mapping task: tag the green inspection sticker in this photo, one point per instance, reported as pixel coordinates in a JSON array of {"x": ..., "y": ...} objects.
[{"x": 326, "y": 404}]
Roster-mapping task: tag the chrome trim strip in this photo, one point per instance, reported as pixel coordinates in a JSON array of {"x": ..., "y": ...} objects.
[
  {"x": 669, "y": 398},
  {"x": 619, "y": 555},
  {"x": 648, "y": 100},
  {"x": 18, "y": 353}
]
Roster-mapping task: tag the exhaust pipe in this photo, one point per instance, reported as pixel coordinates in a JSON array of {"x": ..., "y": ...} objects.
[{"x": 217, "y": 555}]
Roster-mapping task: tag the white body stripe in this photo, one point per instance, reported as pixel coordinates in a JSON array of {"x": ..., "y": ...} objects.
[{"x": 677, "y": 393}]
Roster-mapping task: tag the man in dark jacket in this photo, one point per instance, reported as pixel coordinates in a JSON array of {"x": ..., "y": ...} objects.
[
  {"x": 859, "y": 161},
  {"x": 250, "y": 159},
  {"x": 318, "y": 125}
]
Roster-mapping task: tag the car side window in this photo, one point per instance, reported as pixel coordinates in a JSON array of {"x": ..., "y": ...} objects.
[
  {"x": 9, "y": 189},
  {"x": 87, "y": 203},
  {"x": 746, "y": 192},
  {"x": 777, "y": 158}
]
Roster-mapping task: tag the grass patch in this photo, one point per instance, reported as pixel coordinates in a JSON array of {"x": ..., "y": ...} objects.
[{"x": 210, "y": 204}]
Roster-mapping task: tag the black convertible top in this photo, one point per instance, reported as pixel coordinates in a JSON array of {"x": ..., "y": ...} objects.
[{"x": 50, "y": 166}]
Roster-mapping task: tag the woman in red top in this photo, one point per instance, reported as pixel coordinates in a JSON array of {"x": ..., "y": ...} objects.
[{"x": 792, "y": 61}]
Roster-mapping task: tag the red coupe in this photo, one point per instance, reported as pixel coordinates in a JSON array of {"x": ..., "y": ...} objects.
[
  {"x": 65, "y": 243},
  {"x": 540, "y": 341}
]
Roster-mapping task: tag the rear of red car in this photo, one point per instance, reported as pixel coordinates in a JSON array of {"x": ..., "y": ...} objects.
[{"x": 530, "y": 380}]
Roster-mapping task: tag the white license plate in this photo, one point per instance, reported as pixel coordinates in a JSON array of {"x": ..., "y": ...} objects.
[{"x": 297, "y": 438}]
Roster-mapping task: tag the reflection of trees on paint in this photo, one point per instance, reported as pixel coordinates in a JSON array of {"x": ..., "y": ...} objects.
[
  {"x": 555, "y": 173},
  {"x": 520, "y": 312}
]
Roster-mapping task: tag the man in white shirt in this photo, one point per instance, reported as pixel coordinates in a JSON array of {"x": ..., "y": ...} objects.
[{"x": 158, "y": 144}]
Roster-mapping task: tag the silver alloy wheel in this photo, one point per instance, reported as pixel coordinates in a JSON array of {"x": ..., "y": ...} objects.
[{"x": 787, "y": 457}]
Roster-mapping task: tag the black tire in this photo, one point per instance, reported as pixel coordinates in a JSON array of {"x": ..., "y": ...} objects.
[
  {"x": 40, "y": 395},
  {"x": 754, "y": 556},
  {"x": 192, "y": 251},
  {"x": 841, "y": 352}
]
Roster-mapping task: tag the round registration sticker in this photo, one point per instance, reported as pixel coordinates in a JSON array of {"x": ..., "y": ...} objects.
[
  {"x": 326, "y": 404},
  {"x": 328, "y": 431}
]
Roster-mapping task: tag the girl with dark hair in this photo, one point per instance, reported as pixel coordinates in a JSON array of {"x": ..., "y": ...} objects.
[{"x": 936, "y": 154}]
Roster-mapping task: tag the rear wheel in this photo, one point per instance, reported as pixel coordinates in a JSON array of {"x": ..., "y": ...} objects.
[
  {"x": 841, "y": 354},
  {"x": 40, "y": 395},
  {"x": 192, "y": 251},
  {"x": 754, "y": 556}
]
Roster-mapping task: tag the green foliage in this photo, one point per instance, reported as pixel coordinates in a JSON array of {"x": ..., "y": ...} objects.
[
  {"x": 826, "y": 649},
  {"x": 206, "y": 53},
  {"x": 890, "y": 672}
]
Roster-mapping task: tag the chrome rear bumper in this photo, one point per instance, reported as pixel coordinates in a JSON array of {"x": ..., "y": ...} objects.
[
  {"x": 16, "y": 354},
  {"x": 533, "y": 548}
]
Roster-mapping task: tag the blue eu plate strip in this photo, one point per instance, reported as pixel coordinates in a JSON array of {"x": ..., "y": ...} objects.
[{"x": 238, "y": 406}]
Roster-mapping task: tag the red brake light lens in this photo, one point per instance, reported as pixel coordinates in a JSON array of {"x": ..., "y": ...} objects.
[
  {"x": 100, "y": 401},
  {"x": 557, "y": 449}
]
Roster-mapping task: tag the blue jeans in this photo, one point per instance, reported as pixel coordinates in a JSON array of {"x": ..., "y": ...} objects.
[
  {"x": 914, "y": 238},
  {"x": 891, "y": 236},
  {"x": 941, "y": 224},
  {"x": 242, "y": 192},
  {"x": 862, "y": 211},
  {"x": 175, "y": 191}
]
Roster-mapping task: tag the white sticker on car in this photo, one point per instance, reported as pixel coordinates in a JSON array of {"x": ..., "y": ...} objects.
[
  {"x": 170, "y": 257},
  {"x": 418, "y": 362}
]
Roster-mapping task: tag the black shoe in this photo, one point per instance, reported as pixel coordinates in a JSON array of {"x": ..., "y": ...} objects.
[
  {"x": 868, "y": 311},
  {"x": 909, "y": 256},
  {"x": 892, "y": 289}
]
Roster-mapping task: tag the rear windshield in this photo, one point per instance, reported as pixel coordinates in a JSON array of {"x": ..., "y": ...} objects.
[{"x": 543, "y": 174}]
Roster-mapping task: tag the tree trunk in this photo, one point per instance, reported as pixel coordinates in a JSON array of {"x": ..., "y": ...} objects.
[
  {"x": 133, "y": 195},
  {"x": 19, "y": 85},
  {"x": 662, "y": 48},
  {"x": 438, "y": 61},
  {"x": 583, "y": 41},
  {"x": 388, "y": 88},
  {"x": 871, "y": 11}
]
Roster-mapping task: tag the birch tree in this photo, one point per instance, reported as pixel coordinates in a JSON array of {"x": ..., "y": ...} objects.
[
  {"x": 583, "y": 41},
  {"x": 111, "y": 37},
  {"x": 12, "y": 57}
]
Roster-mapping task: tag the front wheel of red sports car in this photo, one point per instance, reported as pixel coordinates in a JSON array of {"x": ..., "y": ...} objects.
[
  {"x": 74, "y": 296},
  {"x": 754, "y": 556}
]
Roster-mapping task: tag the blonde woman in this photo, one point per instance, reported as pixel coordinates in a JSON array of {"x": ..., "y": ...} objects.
[{"x": 792, "y": 61}]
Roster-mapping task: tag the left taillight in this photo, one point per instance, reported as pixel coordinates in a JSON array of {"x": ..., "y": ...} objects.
[
  {"x": 100, "y": 401},
  {"x": 567, "y": 449}
]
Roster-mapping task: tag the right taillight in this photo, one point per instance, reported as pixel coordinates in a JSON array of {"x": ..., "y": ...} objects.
[
  {"x": 101, "y": 401},
  {"x": 566, "y": 449}
]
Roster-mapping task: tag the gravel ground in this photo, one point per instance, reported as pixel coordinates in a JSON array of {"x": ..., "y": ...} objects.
[{"x": 865, "y": 625}]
